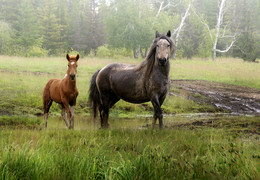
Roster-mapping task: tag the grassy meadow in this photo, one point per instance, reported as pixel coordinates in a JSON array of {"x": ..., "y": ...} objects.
[{"x": 129, "y": 149}]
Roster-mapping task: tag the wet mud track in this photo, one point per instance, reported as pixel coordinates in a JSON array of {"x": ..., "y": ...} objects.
[{"x": 234, "y": 99}]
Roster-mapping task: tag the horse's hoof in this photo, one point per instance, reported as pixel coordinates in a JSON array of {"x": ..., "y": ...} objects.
[{"x": 161, "y": 126}]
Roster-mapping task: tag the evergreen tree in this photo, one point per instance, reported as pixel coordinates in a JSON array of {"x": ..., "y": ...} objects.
[{"x": 50, "y": 29}]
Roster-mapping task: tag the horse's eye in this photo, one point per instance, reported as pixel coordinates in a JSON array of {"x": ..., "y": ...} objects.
[
  {"x": 157, "y": 45},
  {"x": 168, "y": 45}
]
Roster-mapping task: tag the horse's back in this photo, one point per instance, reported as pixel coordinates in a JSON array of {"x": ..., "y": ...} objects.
[
  {"x": 124, "y": 81},
  {"x": 51, "y": 89}
]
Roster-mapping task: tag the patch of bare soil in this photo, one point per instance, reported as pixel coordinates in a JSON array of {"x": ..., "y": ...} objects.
[{"x": 235, "y": 99}]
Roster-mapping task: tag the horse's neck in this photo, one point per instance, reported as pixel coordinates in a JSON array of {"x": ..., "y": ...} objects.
[
  {"x": 165, "y": 70},
  {"x": 69, "y": 83}
]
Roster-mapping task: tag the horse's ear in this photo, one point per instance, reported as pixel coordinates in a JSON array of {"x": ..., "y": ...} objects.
[
  {"x": 157, "y": 34},
  {"x": 77, "y": 57},
  {"x": 68, "y": 57},
  {"x": 169, "y": 33}
]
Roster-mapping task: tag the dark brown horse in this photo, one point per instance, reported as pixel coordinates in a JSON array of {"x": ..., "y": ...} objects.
[
  {"x": 64, "y": 92},
  {"x": 148, "y": 81}
]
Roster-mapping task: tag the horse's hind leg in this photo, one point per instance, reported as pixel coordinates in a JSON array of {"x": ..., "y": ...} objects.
[
  {"x": 157, "y": 112},
  {"x": 107, "y": 103},
  {"x": 101, "y": 115},
  {"x": 104, "y": 112},
  {"x": 105, "y": 117},
  {"x": 47, "y": 104}
]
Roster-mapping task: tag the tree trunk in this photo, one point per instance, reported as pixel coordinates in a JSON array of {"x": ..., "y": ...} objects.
[
  {"x": 143, "y": 54},
  {"x": 178, "y": 30},
  {"x": 135, "y": 53}
]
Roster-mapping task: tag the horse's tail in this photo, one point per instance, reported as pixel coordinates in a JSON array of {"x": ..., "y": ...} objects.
[{"x": 94, "y": 97}]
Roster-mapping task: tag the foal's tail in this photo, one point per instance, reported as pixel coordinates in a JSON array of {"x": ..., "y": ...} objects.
[{"x": 94, "y": 97}]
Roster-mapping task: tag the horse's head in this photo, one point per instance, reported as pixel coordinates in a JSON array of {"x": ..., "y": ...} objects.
[
  {"x": 72, "y": 66},
  {"x": 164, "y": 47}
]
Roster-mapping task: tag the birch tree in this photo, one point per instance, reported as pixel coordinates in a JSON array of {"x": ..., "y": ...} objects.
[
  {"x": 178, "y": 30},
  {"x": 222, "y": 9},
  {"x": 221, "y": 12}
]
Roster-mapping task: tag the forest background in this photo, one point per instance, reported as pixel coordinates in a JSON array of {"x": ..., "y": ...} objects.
[{"x": 125, "y": 28}]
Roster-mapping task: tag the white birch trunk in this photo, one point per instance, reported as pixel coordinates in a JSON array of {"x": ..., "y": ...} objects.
[
  {"x": 179, "y": 29},
  {"x": 219, "y": 23}
]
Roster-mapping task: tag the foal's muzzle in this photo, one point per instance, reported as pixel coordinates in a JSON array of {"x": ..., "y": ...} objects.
[
  {"x": 72, "y": 76},
  {"x": 162, "y": 61}
]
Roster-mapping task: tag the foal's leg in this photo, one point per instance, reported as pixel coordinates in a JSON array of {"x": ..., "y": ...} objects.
[
  {"x": 63, "y": 114},
  {"x": 157, "y": 112},
  {"x": 72, "y": 109},
  {"x": 66, "y": 105},
  {"x": 47, "y": 104}
]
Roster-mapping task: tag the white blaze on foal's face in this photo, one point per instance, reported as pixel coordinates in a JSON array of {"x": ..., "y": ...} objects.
[
  {"x": 72, "y": 66},
  {"x": 72, "y": 69}
]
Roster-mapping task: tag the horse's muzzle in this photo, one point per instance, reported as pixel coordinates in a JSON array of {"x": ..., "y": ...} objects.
[
  {"x": 162, "y": 61},
  {"x": 72, "y": 76}
]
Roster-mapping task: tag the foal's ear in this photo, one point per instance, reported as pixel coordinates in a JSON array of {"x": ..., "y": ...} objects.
[
  {"x": 77, "y": 57},
  {"x": 169, "y": 33},
  {"x": 157, "y": 34},
  {"x": 68, "y": 57}
]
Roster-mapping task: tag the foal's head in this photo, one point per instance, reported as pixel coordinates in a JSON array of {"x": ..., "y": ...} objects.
[
  {"x": 163, "y": 48},
  {"x": 72, "y": 66}
]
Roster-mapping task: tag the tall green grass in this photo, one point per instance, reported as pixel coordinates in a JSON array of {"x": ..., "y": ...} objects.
[{"x": 127, "y": 154}]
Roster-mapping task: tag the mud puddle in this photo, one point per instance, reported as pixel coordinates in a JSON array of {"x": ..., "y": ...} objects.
[{"x": 234, "y": 99}]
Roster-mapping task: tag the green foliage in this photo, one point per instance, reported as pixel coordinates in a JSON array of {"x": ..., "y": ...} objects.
[
  {"x": 196, "y": 40},
  {"x": 5, "y": 37},
  {"x": 35, "y": 51},
  {"x": 105, "y": 51},
  {"x": 50, "y": 28},
  {"x": 248, "y": 46},
  {"x": 86, "y": 25},
  {"x": 132, "y": 26}
]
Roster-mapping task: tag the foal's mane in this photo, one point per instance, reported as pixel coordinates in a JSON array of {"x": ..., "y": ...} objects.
[{"x": 150, "y": 58}]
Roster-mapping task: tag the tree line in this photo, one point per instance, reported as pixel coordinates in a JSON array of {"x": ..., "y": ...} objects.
[{"x": 200, "y": 28}]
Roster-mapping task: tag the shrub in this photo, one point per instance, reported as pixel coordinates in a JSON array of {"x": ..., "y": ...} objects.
[
  {"x": 105, "y": 51},
  {"x": 35, "y": 51}
]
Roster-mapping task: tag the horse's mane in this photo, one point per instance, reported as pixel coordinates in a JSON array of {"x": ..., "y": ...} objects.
[{"x": 150, "y": 58}]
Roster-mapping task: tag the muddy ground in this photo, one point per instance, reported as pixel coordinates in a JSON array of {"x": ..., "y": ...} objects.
[
  {"x": 234, "y": 99},
  {"x": 239, "y": 106}
]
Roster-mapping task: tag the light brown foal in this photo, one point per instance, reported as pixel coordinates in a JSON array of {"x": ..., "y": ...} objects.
[{"x": 64, "y": 92}]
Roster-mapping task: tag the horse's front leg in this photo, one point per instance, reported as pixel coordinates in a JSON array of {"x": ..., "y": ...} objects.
[
  {"x": 157, "y": 112},
  {"x": 72, "y": 109},
  {"x": 63, "y": 114},
  {"x": 66, "y": 105}
]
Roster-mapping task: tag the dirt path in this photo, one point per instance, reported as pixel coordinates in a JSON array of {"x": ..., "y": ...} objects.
[{"x": 235, "y": 99}]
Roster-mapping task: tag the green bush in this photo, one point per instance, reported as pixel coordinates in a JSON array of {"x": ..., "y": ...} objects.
[
  {"x": 105, "y": 51},
  {"x": 35, "y": 51}
]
